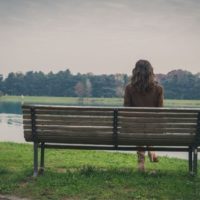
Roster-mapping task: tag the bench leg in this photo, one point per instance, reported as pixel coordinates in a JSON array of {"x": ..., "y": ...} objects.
[
  {"x": 35, "y": 158},
  {"x": 41, "y": 171},
  {"x": 195, "y": 158},
  {"x": 190, "y": 160}
]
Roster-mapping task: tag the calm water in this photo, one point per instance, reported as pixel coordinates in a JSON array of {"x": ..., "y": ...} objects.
[{"x": 11, "y": 128}]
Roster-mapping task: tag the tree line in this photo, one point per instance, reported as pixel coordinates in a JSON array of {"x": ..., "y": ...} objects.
[{"x": 177, "y": 84}]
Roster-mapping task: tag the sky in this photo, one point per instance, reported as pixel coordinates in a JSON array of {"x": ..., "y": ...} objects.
[{"x": 99, "y": 36}]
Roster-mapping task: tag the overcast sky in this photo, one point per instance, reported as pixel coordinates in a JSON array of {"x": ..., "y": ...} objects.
[{"x": 99, "y": 36}]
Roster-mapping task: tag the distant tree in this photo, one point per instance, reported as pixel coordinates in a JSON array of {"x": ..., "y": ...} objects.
[
  {"x": 79, "y": 89},
  {"x": 121, "y": 81},
  {"x": 88, "y": 88},
  {"x": 178, "y": 84},
  {"x": 119, "y": 91},
  {"x": 1, "y": 84}
]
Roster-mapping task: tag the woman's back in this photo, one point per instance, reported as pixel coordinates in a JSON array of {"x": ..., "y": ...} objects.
[{"x": 151, "y": 98}]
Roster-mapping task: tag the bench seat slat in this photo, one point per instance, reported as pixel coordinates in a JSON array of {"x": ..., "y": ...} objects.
[
  {"x": 158, "y": 115},
  {"x": 156, "y": 125},
  {"x": 39, "y": 111},
  {"x": 156, "y": 120},
  {"x": 158, "y": 109},
  {"x": 156, "y": 142},
  {"x": 99, "y": 138},
  {"x": 109, "y": 122},
  {"x": 55, "y": 133},
  {"x": 66, "y": 117},
  {"x": 68, "y": 135},
  {"x": 75, "y": 112},
  {"x": 81, "y": 129},
  {"x": 125, "y": 109},
  {"x": 63, "y": 108},
  {"x": 70, "y": 123},
  {"x": 71, "y": 119},
  {"x": 71, "y": 141},
  {"x": 158, "y": 130}
]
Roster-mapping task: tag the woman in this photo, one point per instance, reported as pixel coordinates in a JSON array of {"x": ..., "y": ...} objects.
[{"x": 143, "y": 91}]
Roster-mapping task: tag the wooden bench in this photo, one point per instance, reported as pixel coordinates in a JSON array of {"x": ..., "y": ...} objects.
[{"x": 112, "y": 128}]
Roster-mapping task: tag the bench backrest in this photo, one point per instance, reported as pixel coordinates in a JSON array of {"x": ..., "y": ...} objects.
[{"x": 111, "y": 126}]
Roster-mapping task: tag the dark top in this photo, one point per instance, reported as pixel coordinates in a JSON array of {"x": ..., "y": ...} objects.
[{"x": 152, "y": 98}]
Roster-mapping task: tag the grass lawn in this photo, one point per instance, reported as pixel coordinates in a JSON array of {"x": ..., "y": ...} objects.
[
  {"x": 75, "y": 174},
  {"x": 91, "y": 101}
]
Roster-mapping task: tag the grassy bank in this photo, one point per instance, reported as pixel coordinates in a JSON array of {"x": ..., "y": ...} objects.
[
  {"x": 62, "y": 100},
  {"x": 72, "y": 174},
  {"x": 90, "y": 101}
]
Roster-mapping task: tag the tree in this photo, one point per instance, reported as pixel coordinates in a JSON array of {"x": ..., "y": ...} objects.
[
  {"x": 88, "y": 88},
  {"x": 178, "y": 84},
  {"x": 79, "y": 89},
  {"x": 1, "y": 84},
  {"x": 119, "y": 91}
]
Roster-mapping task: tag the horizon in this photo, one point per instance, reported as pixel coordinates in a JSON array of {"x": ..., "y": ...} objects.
[
  {"x": 99, "y": 37},
  {"x": 74, "y": 74}
]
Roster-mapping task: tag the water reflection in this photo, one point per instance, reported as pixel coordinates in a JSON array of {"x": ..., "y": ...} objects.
[
  {"x": 11, "y": 128},
  {"x": 10, "y": 107},
  {"x": 11, "y": 119}
]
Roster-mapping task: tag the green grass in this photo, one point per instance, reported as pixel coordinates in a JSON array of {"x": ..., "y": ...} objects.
[
  {"x": 90, "y": 101},
  {"x": 62, "y": 100},
  {"x": 75, "y": 174}
]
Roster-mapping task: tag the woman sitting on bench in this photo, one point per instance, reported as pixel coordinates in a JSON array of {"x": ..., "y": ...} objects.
[{"x": 143, "y": 91}]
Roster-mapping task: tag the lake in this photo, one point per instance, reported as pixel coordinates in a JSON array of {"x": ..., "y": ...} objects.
[{"x": 11, "y": 128}]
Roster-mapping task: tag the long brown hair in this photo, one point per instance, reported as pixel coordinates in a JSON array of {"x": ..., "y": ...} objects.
[{"x": 143, "y": 78}]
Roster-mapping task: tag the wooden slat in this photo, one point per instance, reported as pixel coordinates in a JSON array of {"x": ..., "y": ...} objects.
[
  {"x": 57, "y": 117},
  {"x": 71, "y": 122},
  {"x": 57, "y": 107},
  {"x": 155, "y": 142},
  {"x": 122, "y": 122},
  {"x": 154, "y": 135},
  {"x": 159, "y": 109},
  {"x": 158, "y": 115},
  {"x": 75, "y": 118},
  {"x": 156, "y": 120},
  {"x": 26, "y": 116},
  {"x": 70, "y": 133},
  {"x": 81, "y": 129},
  {"x": 110, "y": 113},
  {"x": 77, "y": 140},
  {"x": 157, "y": 130},
  {"x": 156, "y": 125},
  {"x": 152, "y": 109},
  {"x": 75, "y": 112},
  {"x": 71, "y": 112},
  {"x": 69, "y": 137},
  {"x": 73, "y": 141}
]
